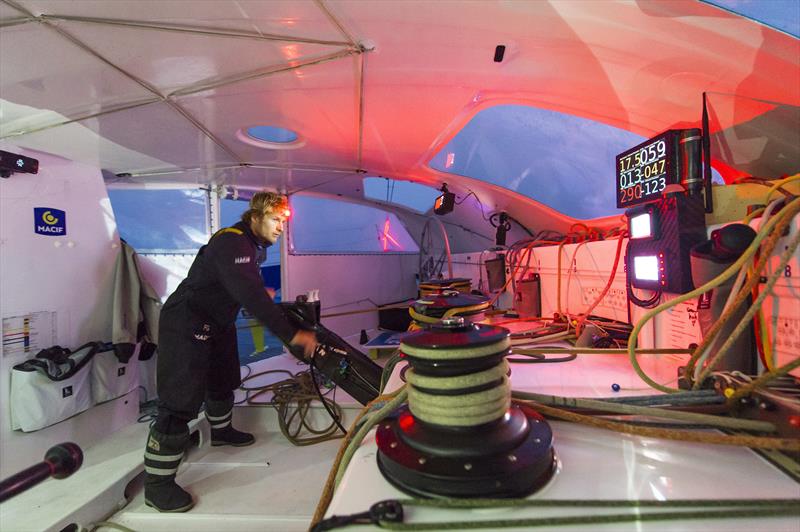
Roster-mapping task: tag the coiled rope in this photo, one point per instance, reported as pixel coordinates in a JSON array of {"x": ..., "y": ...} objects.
[
  {"x": 292, "y": 398},
  {"x": 449, "y": 400}
]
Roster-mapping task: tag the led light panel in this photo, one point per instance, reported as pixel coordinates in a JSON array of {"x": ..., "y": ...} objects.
[
  {"x": 645, "y": 268},
  {"x": 641, "y": 225}
]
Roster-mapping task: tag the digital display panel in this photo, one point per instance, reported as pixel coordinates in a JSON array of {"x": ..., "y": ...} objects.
[{"x": 645, "y": 171}]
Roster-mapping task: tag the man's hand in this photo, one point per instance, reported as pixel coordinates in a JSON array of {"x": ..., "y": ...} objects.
[
  {"x": 270, "y": 292},
  {"x": 307, "y": 340}
]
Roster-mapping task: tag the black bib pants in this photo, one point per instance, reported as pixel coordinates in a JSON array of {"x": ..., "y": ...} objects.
[{"x": 197, "y": 350}]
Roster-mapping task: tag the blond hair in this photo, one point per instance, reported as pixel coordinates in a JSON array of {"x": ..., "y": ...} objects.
[{"x": 263, "y": 203}]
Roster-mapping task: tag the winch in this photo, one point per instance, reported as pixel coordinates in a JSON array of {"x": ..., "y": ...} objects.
[
  {"x": 448, "y": 303},
  {"x": 460, "y": 435},
  {"x": 435, "y": 286}
]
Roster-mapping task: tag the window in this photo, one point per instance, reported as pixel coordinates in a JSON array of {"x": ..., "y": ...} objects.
[
  {"x": 560, "y": 160},
  {"x": 779, "y": 14},
  {"x": 404, "y": 193},
  {"x": 162, "y": 221},
  {"x": 321, "y": 225},
  {"x": 271, "y": 137}
]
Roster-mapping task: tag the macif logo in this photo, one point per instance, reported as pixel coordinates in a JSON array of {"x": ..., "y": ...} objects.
[{"x": 51, "y": 222}]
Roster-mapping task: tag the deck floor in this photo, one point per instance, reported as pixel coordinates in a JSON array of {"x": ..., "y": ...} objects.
[{"x": 274, "y": 485}]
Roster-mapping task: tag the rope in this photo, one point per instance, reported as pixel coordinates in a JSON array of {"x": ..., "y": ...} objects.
[
  {"x": 629, "y": 409},
  {"x": 385, "y": 404},
  {"x": 394, "y": 359},
  {"x": 767, "y": 508},
  {"x": 594, "y": 351},
  {"x": 455, "y": 311},
  {"x": 292, "y": 399},
  {"x": 464, "y": 405},
  {"x": 756, "y": 442},
  {"x": 373, "y": 419},
  {"x": 763, "y": 379},
  {"x": 110, "y": 524},
  {"x": 595, "y": 503},
  {"x": 465, "y": 410},
  {"x": 790, "y": 210},
  {"x": 744, "y": 292},
  {"x": 364, "y": 311},
  {"x": 786, "y": 256}
]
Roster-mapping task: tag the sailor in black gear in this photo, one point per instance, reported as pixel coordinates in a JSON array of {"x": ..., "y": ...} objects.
[{"x": 197, "y": 351}]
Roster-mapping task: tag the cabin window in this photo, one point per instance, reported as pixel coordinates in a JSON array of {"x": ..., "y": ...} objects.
[
  {"x": 563, "y": 161},
  {"x": 413, "y": 196},
  {"x": 321, "y": 225},
  {"x": 779, "y": 14},
  {"x": 272, "y": 134},
  {"x": 172, "y": 221},
  {"x": 270, "y": 137}
]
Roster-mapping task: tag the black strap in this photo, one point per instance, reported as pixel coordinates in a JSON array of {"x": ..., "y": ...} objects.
[{"x": 40, "y": 362}]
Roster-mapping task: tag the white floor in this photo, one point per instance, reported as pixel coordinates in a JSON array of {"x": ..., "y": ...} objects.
[
  {"x": 599, "y": 464},
  {"x": 271, "y": 485},
  {"x": 274, "y": 485}
]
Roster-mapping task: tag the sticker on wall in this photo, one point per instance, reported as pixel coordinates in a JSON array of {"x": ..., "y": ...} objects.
[
  {"x": 51, "y": 222},
  {"x": 29, "y": 333}
]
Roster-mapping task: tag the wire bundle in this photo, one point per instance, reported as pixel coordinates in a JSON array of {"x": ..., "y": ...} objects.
[{"x": 770, "y": 233}]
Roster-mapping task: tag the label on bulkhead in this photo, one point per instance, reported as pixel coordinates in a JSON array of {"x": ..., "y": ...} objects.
[{"x": 49, "y": 221}]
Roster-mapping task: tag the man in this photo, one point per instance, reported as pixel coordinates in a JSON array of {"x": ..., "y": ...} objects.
[{"x": 198, "y": 357}]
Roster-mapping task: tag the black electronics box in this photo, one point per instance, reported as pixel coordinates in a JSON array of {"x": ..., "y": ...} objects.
[
  {"x": 682, "y": 224},
  {"x": 12, "y": 162},
  {"x": 394, "y": 319},
  {"x": 444, "y": 203},
  {"x": 342, "y": 363},
  {"x": 528, "y": 296},
  {"x": 496, "y": 273}
]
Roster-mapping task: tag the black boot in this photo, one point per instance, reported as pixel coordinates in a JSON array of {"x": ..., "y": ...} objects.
[
  {"x": 219, "y": 414},
  {"x": 162, "y": 456}
]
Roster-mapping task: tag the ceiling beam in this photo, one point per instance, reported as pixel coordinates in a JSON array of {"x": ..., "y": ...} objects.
[
  {"x": 16, "y": 21},
  {"x": 361, "y": 67},
  {"x": 336, "y": 23},
  {"x": 208, "y": 84},
  {"x": 195, "y": 30},
  {"x": 88, "y": 116}
]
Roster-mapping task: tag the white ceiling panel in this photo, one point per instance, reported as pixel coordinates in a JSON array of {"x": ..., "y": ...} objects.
[
  {"x": 172, "y": 60},
  {"x": 284, "y": 17},
  {"x": 296, "y": 180},
  {"x": 318, "y": 102},
  {"x": 42, "y": 70},
  {"x": 641, "y": 66},
  {"x": 7, "y": 12},
  {"x": 152, "y": 137}
]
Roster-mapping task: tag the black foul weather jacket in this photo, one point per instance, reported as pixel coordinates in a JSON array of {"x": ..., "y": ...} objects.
[
  {"x": 225, "y": 277},
  {"x": 197, "y": 333}
]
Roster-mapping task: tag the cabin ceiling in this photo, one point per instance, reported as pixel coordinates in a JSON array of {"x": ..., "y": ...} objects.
[{"x": 162, "y": 90}]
